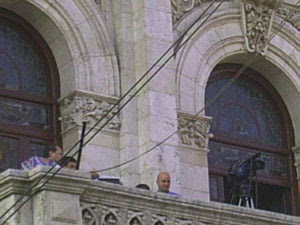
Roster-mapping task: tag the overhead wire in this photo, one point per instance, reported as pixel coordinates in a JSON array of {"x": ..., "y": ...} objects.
[
  {"x": 164, "y": 140},
  {"x": 211, "y": 101},
  {"x": 29, "y": 194}
]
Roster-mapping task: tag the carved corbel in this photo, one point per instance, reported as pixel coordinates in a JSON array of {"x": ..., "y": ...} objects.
[
  {"x": 257, "y": 19},
  {"x": 80, "y": 107},
  {"x": 194, "y": 131}
]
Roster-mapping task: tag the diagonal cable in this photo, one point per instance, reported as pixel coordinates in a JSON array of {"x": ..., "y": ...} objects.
[
  {"x": 109, "y": 111},
  {"x": 211, "y": 101}
]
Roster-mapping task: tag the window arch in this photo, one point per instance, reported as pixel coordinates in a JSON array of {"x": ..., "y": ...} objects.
[
  {"x": 29, "y": 89},
  {"x": 249, "y": 118}
]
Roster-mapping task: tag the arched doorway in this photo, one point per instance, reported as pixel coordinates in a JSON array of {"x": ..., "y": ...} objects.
[
  {"x": 249, "y": 118},
  {"x": 29, "y": 89}
]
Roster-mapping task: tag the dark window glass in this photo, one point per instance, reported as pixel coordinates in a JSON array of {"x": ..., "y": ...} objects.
[
  {"x": 38, "y": 149},
  {"x": 9, "y": 153},
  {"x": 21, "y": 68},
  {"x": 24, "y": 114},
  {"x": 244, "y": 112},
  {"x": 29, "y": 90},
  {"x": 249, "y": 118}
]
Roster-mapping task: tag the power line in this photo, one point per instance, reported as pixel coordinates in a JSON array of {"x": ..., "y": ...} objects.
[
  {"x": 223, "y": 89},
  {"x": 111, "y": 109},
  {"x": 216, "y": 97}
]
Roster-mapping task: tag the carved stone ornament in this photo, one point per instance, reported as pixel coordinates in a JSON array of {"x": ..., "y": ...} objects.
[
  {"x": 89, "y": 215},
  {"x": 79, "y": 108},
  {"x": 272, "y": 4},
  {"x": 257, "y": 21},
  {"x": 290, "y": 15},
  {"x": 181, "y": 7},
  {"x": 194, "y": 131}
]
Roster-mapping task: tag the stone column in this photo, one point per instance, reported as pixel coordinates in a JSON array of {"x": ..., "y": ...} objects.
[
  {"x": 156, "y": 103},
  {"x": 123, "y": 26},
  {"x": 194, "y": 136}
]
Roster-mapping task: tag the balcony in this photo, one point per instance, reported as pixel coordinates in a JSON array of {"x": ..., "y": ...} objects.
[{"x": 71, "y": 197}]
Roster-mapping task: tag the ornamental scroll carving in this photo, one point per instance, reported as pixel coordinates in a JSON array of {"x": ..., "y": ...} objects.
[
  {"x": 79, "y": 108},
  {"x": 194, "y": 132},
  {"x": 257, "y": 20},
  {"x": 98, "y": 214},
  {"x": 181, "y": 7},
  {"x": 290, "y": 15}
]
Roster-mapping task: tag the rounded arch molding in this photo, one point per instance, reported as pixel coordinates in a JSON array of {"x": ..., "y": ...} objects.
[
  {"x": 221, "y": 40},
  {"x": 79, "y": 41}
]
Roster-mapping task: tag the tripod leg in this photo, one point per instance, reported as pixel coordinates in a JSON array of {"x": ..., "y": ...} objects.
[
  {"x": 240, "y": 201},
  {"x": 247, "y": 202},
  {"x": 252, "y": 203}
]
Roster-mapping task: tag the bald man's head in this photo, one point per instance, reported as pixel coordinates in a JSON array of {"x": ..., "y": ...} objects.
[{"x": 163, "y": 182}]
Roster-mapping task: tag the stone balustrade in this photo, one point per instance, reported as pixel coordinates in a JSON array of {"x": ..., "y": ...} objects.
[{"x": 71, "y": 197}]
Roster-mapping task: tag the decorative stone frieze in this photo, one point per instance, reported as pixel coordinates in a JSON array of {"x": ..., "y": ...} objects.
[
  {"x": 100, "y": 203},
  {"x": 181, "y": 7},
  {"x": 257, "y": 22},
  {"x": 272, "y": 4},
  {"x": 79, "y": 107},
  {"x": 290, "y": 15},
  {"x": 194, "y": 131}
]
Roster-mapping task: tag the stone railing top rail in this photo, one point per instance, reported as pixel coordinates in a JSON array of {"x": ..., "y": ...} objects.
[{"x": 105, "y": 194}]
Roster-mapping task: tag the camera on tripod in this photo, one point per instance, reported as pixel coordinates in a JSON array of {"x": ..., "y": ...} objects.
[{"x": 241, "y": 177}]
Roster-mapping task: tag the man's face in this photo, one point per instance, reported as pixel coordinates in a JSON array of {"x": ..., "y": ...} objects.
[
  {"x": 57, "y": 155},
  {"x": 163, "y": 182},
  {"x": 71, "y": 165}
]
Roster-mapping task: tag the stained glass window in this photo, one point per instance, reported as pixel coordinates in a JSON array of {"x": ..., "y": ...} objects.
[
  {"x": 21, "y": 68},
  {"x": 244, "y": 112},
  {"x": 28, "y": 100},
  {"x": 248, "y": 119}
]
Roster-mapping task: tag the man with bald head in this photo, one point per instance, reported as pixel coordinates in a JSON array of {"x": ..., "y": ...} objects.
[{"x": 163, "y": 182}]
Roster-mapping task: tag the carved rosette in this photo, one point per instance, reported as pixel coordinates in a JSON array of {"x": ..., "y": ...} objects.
[
  {"x": 194, "y": 131},
  {"x": 257, "y": 20},
  {"x": 79, "y": 107}
]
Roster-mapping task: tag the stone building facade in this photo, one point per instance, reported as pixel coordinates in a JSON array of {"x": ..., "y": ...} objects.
[{"x": 101, "y": 48}]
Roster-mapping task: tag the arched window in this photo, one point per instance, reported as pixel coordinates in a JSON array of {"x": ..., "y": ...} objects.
[
  {"x": 251, "y": 118},
  {"x": 29, "y": 91}
]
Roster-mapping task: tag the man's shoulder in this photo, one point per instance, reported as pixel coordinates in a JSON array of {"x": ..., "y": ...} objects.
[
  {"x": 173, "y": 193},
  {"x": 37, "y": 161}
]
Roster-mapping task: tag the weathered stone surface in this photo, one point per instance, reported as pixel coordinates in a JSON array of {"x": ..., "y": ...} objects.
[{"x": 72, "y": 198}]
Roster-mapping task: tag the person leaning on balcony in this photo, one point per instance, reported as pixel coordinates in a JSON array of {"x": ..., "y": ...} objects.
[
  {"x": 163, "y": 182},
  {"x": 68, "y": 162},
  {"x": 55, "y": 154}
]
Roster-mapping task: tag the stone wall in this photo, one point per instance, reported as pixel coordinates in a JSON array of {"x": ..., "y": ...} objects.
[
  {"x": 102, "y": 47},
  {"x": 72, "y": 198}
]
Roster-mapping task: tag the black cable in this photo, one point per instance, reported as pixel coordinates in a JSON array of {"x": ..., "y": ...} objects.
[
  {"x": 242, "y": 69},
  {"x": 109, "y": 111},
  {"x": 217, "y": 96}
]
